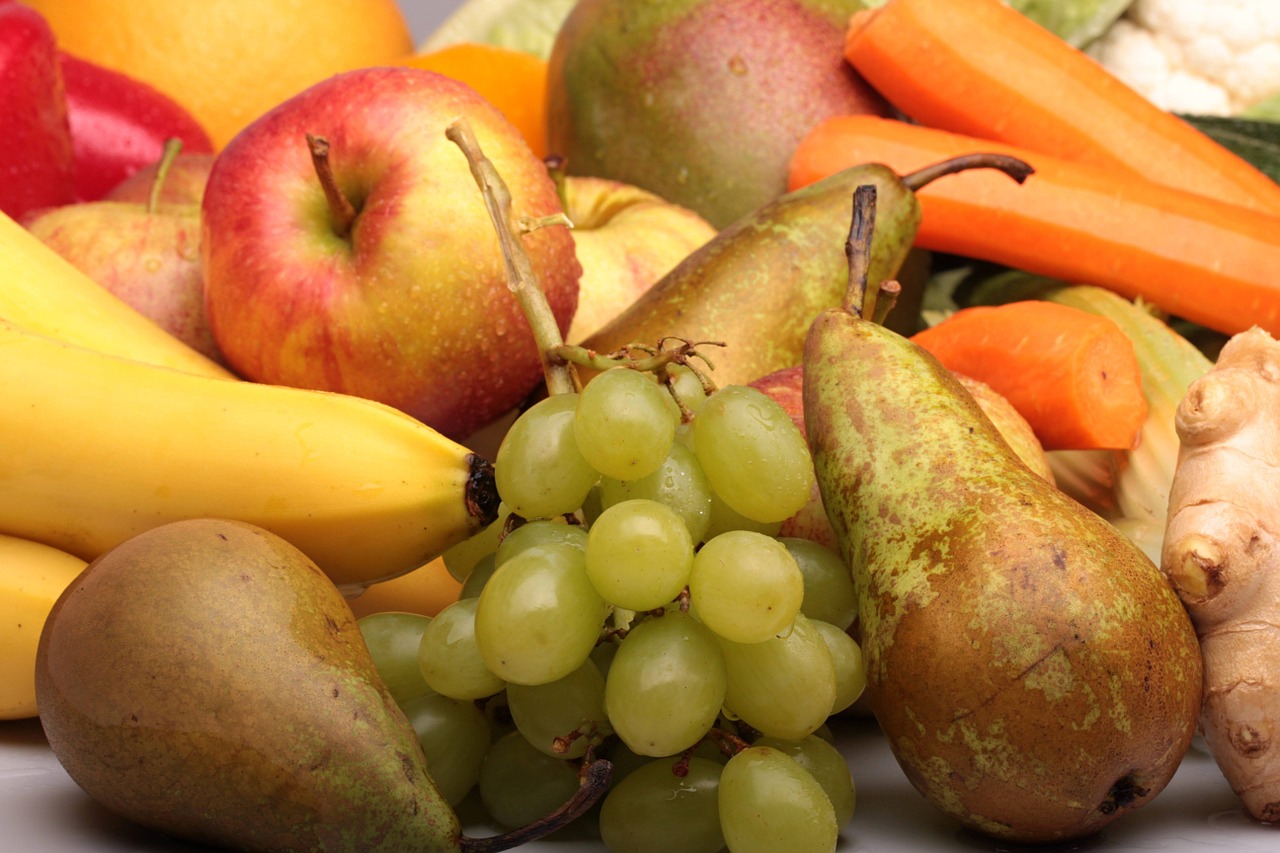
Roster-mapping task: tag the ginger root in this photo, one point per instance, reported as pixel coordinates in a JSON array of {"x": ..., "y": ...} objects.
[{"x": 1220, "y": 554}]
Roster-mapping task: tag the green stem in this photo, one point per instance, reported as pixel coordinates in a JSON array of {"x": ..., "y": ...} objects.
[
  {"x": 172, "y": 147},
  {"x": 561, "y": 378}
]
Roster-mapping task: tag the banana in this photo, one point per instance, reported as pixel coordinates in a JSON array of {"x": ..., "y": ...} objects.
[
  {"x": 99, "y": 448},
  {"x": 32, "y": 576},
  {"x": 43, "y": 292}
]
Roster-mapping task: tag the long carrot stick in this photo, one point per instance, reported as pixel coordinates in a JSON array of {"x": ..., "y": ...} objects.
[
  {"x": 981, "y": 68},
  {"x": 1209, "y": 262},
  {"x": 1074, "y": 376}
]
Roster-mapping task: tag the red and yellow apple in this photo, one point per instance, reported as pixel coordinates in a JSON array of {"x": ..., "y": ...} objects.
[
  {"x": 183, "y": 183},
  {"x": 404, "y": 297},
  {"x": 626, "y": 239},
  {"x": 146, "y": 252}
]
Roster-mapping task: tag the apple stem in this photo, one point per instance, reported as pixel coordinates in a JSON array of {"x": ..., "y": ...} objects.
[
  {"x": 561, "y": 377},
  {"x": 556, "y": 169},
  {"x": 344, "y": 212},
  {"x": 172, "y": 147}
]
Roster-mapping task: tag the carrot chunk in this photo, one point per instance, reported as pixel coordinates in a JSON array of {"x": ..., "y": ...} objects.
[
  {"x": 981, "y": 68},
  {"x": 1206, "y": 261},
  {"x": 1074, "y": 376}
]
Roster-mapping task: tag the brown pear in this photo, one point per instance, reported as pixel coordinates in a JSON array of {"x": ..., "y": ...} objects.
[
  {"x": 1033, "y": 671},
  {"x": 207, "y": 680}
]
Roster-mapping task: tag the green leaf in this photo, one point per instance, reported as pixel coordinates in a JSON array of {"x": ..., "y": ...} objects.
[{"x": 1256, "y": 141}]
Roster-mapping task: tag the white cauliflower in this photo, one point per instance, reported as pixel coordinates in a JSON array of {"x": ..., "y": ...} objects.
[{"x": 1204, "y": 57}]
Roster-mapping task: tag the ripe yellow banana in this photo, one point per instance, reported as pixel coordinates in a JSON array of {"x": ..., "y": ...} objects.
[
  {"x": 99, "y": 448},
  {"x": 32, "y": 576},
  {"x": 43, "y": 292}
]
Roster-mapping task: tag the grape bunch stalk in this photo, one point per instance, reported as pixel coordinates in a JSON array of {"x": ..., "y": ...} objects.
[{"x": 634, "y": 601}]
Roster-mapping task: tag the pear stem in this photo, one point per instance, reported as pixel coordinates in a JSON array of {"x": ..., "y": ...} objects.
[
  {"x": 1017, "y": 169},
  {"x": 860, "y": 299},
  {"x": 561, "y": 378},
  {"x": 344, "y": 212},
  {"x": 593, "y": 782},
  {"x": 172, "y": 147},
  {"x": 888, "y": 297}
]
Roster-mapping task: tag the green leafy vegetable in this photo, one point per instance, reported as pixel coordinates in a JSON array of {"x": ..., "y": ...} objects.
[
  {"x": 1255, "y": 140},
  {"x": 1078, "y": 22}
]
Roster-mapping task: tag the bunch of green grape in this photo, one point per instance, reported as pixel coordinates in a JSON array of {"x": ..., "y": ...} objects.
[{"x": 634, "y": 601}]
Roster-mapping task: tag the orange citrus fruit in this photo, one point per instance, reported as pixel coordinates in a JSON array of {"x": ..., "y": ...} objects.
[
  {"x": 229, "y": 61},
  {"x": 513, "y": 81}
]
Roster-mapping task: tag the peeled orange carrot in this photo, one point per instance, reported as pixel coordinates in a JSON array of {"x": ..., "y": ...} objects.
[{"x": 1074, "y": 376}]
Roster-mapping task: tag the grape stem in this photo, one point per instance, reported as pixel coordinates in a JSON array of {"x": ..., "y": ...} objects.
[
  {"x": 593, "y": 783},
  {"x": 653, "y": 359},
  {"x": 560, "y": 376}
]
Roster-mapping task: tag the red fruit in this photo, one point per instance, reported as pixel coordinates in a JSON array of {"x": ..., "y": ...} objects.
[
  {"x": 119, "y": 125},
  {"x": 36, "y": 162}
]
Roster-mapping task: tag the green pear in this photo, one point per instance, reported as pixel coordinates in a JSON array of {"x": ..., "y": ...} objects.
[
  {"x": 207, "y": 680},
  {"x": 1034, "y": 673},
  {"x": 757, "y": 285},
  {"x": 699, "y": 101}
]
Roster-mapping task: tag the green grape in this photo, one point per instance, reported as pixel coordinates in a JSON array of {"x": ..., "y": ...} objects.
[
  {"x": 539, "y": 617},
  {"x": 393, "y": 640},
  {"x": 479, "y": 576},
  {"x": 724, "y": 518},
  {"x": 768, "y": 802},
  {"x": 679, "y": 483},
  {"x": 540, "y": 532},
  {"x": 591, "y": 505},
  {"x": 846, "y": 657},
  {"x": 538, "y": 469},
  {"x": 455, "y": 737},
  {"x": 783, "y": 687},
  {"x": 498, "y": 714},
  {"x": 461, "y": 558},
  {"x": 745, "y": 586},
  {"x": 561, "y": 716},
  {"x": 639, "y": 554},
  {"x": 827, "y": 764},
  {"x": 753, "y": 454},
  {"x": 828, "y": 583},
  {"x": 654, "y": 809},
  {"x": 623, "y": 425},
  {"x": 666, "y": 685},
  {"x": 602, "y": 656},
  {"x": 520, "y": 784},
  {"x": 624, "y": 761},
  {"x": 449, "y": 658}
]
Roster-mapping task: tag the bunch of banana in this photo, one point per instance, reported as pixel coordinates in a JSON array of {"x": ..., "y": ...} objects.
[
  {"x": 100, "y": 448},
  {"x": 32, "y": 576},
  {"x": 43, "y": 292}
]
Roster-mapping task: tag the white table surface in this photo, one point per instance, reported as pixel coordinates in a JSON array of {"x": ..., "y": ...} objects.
[{"x": 43, "y": 811}]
